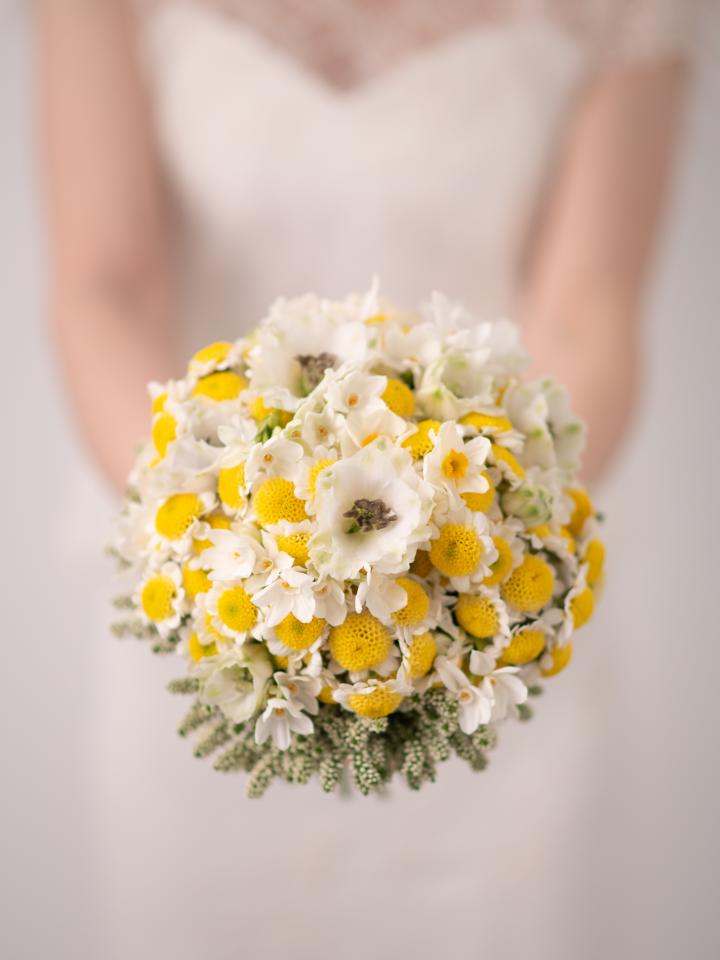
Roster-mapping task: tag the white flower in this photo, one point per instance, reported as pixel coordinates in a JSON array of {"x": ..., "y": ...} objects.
[
  {"x": 372, "y": 509},
  {"x": 300, "y": 689},
  {"x": 235, "y": 680},
  {"x": 364, "y": 426},
  {"x": 330, "y": 601},
  {"x": 455, "y": 465},
  {"x": 354, "y": 391},
  {"x": 290, "y": 592},
  {"x": 541, "y": 410},
  {"x": 279, "y": 719},
  {"x": 381, "y": 595},
  {"x": 160, "y": 597},
  {"x": 320, "y": 428},
  {"x": 475, "y": 703},
  {"x": 275, "y": 457},
  {"x": 233, "y": 555},
  {"x": 508, "y": 690}
]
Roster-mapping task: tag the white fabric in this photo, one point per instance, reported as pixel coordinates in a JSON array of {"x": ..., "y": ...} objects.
[{"x": 428, "y": 175}]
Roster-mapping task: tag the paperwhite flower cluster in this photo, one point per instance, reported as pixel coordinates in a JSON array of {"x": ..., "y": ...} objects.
[{"x": 356, "y": 504}]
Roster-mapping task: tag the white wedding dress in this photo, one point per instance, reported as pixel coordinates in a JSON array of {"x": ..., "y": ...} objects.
[{"x": 428, "y": 174}]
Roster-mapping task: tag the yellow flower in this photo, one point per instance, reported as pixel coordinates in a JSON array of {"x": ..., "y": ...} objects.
[
  {"x": 236, "y": 609},
  {"x": 581, "y": 607},
  {"x": 457, "y": 551},
  {"x": 507, "y": 461},
  {"x": 417, "y": 606},
  {"x": 164, "y": 431},
  {"x": 275, "y": 500},
  {"x": 530, "y": 585},
  {"x": 502, "y": 566},
  {"x": 231, "y": 481},
  {"x": 399, "y": 397},
  {"x": 157, "y": 597},
  {"x": 477, "y": 615},
  {"x": 480, "y": 502},
  {"x": 259, "y": 412},
  {"x": 419, "y": 444},
  {"x": 217, "y": 521},
  {"x": 295, "y": 545},
  {"x": 314, "y": 471},
  {"x": 195, "y": 581},
  {"x": 298, "y": 635},
  {"x": 360, "y": 642},
  {"x": 420, "y": 657},
  {"x": 583, "y": 510},
  {"x": 223, "y": 385},
  {"x": 560, "y": 659},
  {"x": 422, "y": 564},
  {"x": 213, "y": 353},
  {"x": 199, "y": 650},
  {"x": 595, "y": 559},
  {"x": 525, "y": 646},
  {"x": 177, "y": 514},
  {"x": 486, "y": 421},
  {"x": 381, "y": 702}
]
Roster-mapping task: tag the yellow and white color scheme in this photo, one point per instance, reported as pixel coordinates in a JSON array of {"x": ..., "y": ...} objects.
[{"x": 361, "y": 530}]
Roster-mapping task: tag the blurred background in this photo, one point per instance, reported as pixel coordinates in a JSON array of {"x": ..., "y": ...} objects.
[{"x": 651, "y": 881}]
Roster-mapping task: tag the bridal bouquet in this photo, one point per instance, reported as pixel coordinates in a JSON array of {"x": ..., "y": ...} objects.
[{"x": 362, "y": 534}]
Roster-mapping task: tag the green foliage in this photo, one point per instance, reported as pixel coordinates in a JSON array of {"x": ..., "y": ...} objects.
[{"x": 344, "y": 747}]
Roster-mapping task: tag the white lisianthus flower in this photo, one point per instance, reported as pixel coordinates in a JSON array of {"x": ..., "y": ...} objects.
[
  {"x": 275, "y": 457},
  {"x": 456, "y": 465},
  {"x": 372, "y": 509},
  {"x": 235, "y": 680},
  {"x": 456, "y": 383},
  {"x": 554, "y": 436},
  {"x": 290, "y": 592},
  {"x": 300, "y": 689},
  {"x": 279, "y": 719},
  {"x": 475, "y": 703},
  {"x": 508, "y": 690}
]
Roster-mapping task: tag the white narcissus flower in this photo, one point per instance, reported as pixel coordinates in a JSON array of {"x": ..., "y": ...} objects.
[
  {"x": 372, "y": 510},
  {"x": 508, "y": 690},
  {"x": 233, "y": 555},
  {"x": 456, "y": 465},
  {"x": 364, "y": 426},
  {"x": 235, "y": 680},
  {"x": 475, "y": 703},
  {"x": 381, "y": 595},
  {"x": 290, "y": 592},
  {"x": 276, "y": 457},
  {"x": 354, "y": 391},
  {"x": 300, "y": 689},
  {"x": 279, "y": 720},
  {"x": 330, "y": 601}
]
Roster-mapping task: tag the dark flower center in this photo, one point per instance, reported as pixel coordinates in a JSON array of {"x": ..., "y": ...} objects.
[
  {"x": 367, "y": 515},
  {"x": 313, "y": 367}
]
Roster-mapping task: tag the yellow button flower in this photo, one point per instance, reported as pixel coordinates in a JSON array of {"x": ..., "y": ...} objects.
[
  {"x": 223, "y": 385},
  {"x": 530, "y": 585},
  {"x": 231, "y": 481},
  {"x": 360, "y": 642},
  {"x": 298, "y": 635},
  {"x": 177, "y": 514},
  {"x": 581, "y": 607},
  {"x": 275, "y": 500},
  {"x": 157, "y": 598},
  {"x": 380, "y": 703},
  {"x": 477, "y": 615},
  {"x": 421, "y": 654},
  {"x": 525, "y": 646},
  {"x": 420, "y": 444},
  {"x": 417, "y": 606},
  {"x": 457, "y": 551},
  {"x": 236, "y": 610},
  {"x": 560, "y": 659},
  {"x": 399, "y": 397}
]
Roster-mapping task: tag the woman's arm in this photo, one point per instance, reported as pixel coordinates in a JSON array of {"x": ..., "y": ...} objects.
[
  {"x": 583, "y": 296},
  {"x": 109, "y": 285}
]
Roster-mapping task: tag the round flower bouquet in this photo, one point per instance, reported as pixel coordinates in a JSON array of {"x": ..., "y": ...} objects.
[{"x": 362, "y": 534}]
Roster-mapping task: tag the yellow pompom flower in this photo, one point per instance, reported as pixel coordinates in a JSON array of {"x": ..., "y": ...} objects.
[
  {"x": 195, "y": 581},
  {"x": 295, "y": 545},
  {"x": 530, "y": 585},
  {"x": 581, "y": 607},
  {"x": 315, "y": 470},
  {"x": 560, "y": 659},
  {"x": 525, "y": 646},
  {"x": 399, "y": 397},
  {"x": 223, "y": 385},
  {"x": 480, "y": 502},
  {"x": 420, "y": 656},
  {"x": 595, "y": 559},
  {"x": 420, "y": 443},
  {"x": 326, "y": 696},
  {"x": 381, "y": 702},
  {"x": 422, "y": 564},
  {"x": 217, "y": 521},
  {"x": 177, "y": 514},
  {"x": 158, "y": 404},
  {"x": 507, "y": 461},
  {"x": 236, "y": 610},
  {"x": 199, "y": 650},
  {"x": 157, "y": 598},
  {"x": 417, "y": 606},
  {"x": 231, "y": 481},
  {"x": 360, "y": 642},
  {"x": 457, "y": 550},
  {"x": 486, "y": 421},
  {"x": 477, "y": 615},
  {"x": 503, "y": 565},
  {"x": 275, "y": 500},
  {"x": 583, "y": 510},
  {"x": 213, "y": 353},
  {"x": 298, "y": 635},
  {"x": 164, "y": 431},
  {"x": 259, "y": 412}
]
